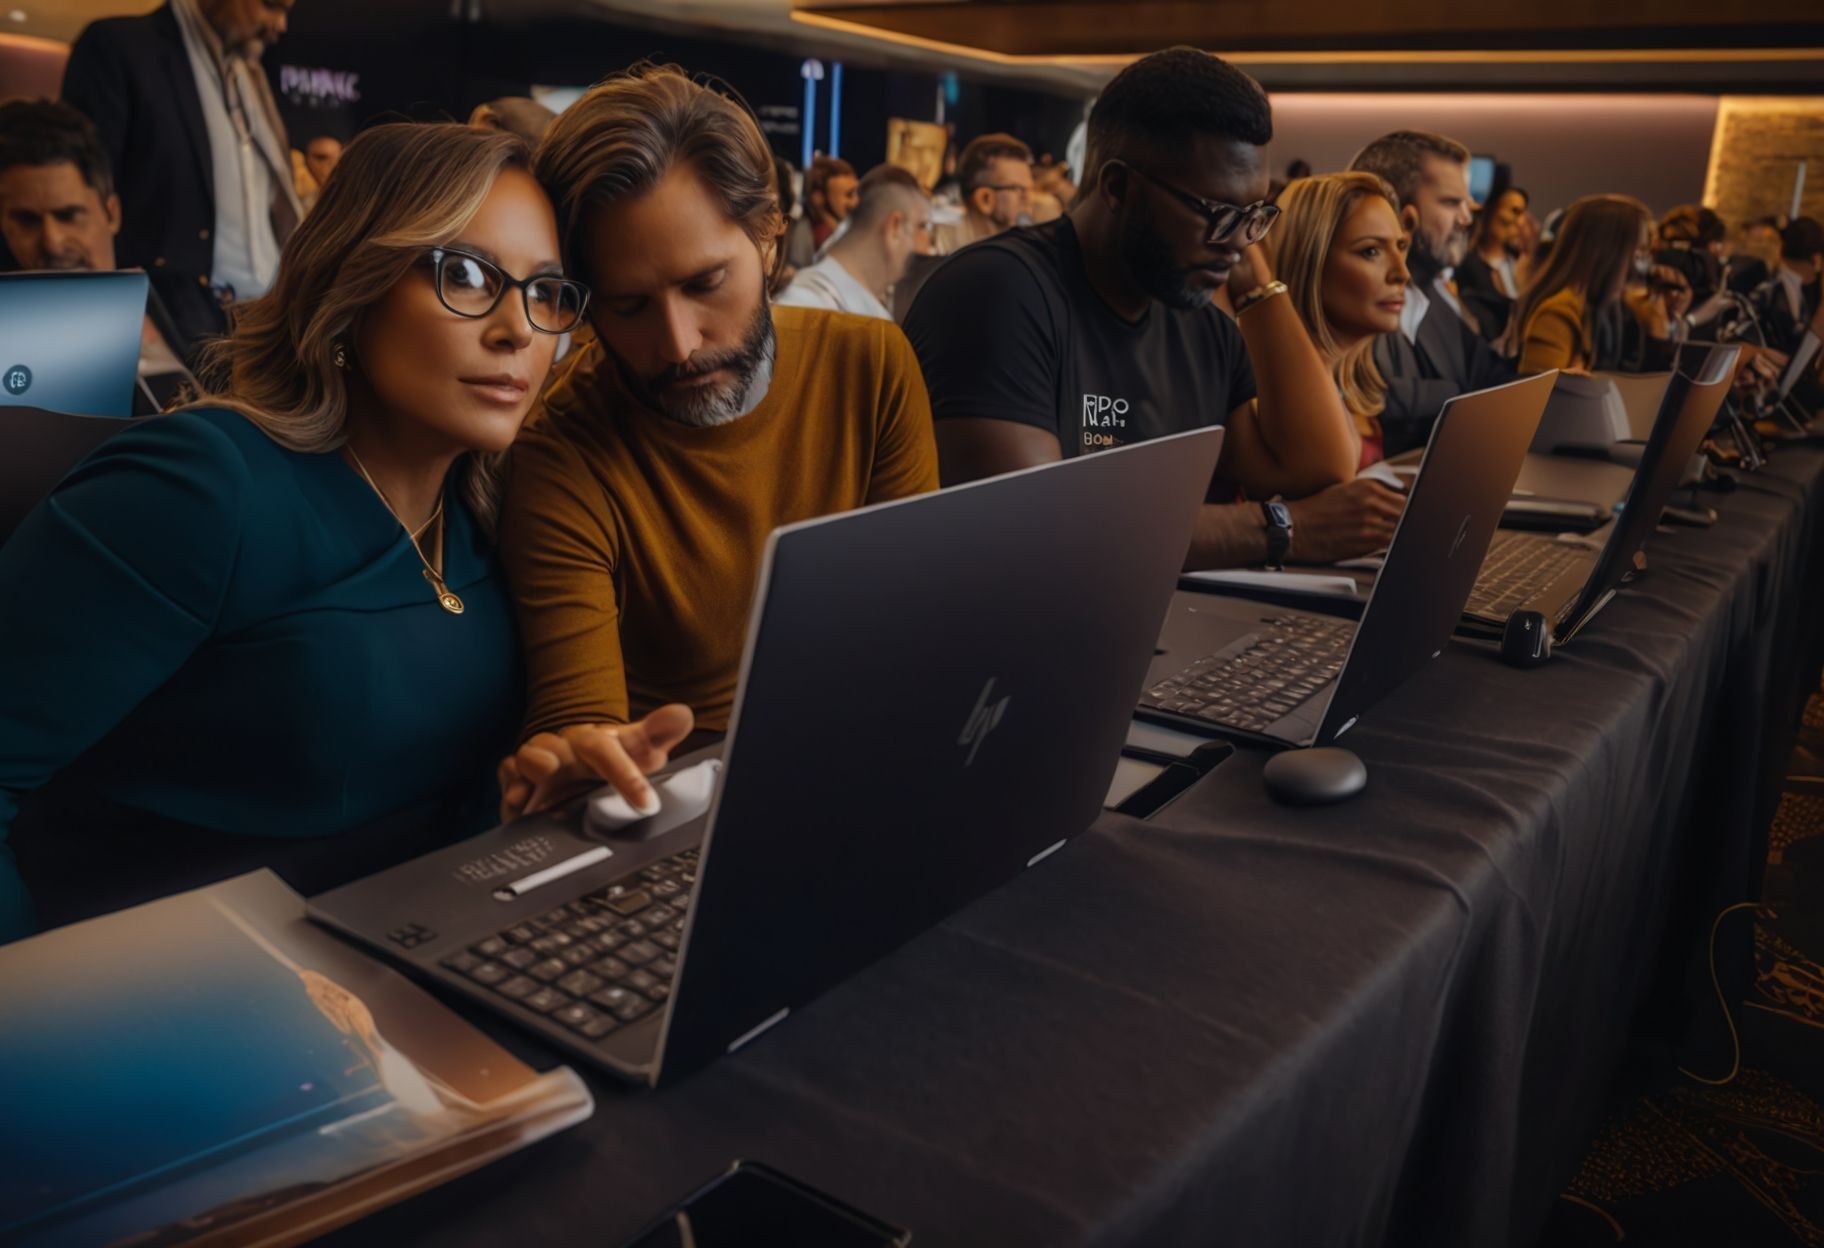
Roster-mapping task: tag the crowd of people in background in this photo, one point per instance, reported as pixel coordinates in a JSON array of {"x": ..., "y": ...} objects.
[{"x": 700, "y": 344}]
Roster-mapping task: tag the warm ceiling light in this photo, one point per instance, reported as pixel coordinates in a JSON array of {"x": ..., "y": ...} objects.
[{"x": 17, "y": 15}]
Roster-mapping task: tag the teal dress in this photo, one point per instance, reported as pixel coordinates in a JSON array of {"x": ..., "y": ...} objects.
[{"x": 212, "y": 632}]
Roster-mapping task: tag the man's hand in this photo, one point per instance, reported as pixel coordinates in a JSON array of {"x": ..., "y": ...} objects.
[
  {"x": 1671, "y": 288},
  {"x": 1345, "y": 521},
  {"x": 552, "y": 767}
]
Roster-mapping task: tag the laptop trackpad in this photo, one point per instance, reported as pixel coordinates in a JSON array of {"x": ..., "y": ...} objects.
[{"x": 681, "y": 796}]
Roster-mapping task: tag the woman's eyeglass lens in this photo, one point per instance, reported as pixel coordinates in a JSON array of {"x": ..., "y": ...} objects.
[{"x": 470, "y": 286}]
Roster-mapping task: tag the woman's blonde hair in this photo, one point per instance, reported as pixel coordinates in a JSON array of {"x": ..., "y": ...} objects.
[
  {"x": 398, "y": 189},
  {"x": 1311, "y": 211}
]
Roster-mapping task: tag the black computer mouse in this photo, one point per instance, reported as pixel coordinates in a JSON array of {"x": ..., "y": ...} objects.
[
  {"x": 1527, "y": 640},
  {"x": 1314, "y": 777}
]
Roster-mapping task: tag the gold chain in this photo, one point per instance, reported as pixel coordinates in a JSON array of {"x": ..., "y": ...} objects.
[{"x": 447, "y": 600}]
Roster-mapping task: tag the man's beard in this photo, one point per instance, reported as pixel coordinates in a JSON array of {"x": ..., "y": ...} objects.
[
  {"x": 1428, "y": 256},
  {"x": 73, "y": 262},
  {"x": 704, "y": 407},
  {"x": 1149, "y": 259}
]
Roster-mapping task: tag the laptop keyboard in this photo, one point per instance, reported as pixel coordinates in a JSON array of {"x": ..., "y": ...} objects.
[
  {"x": 1518, "y": 566},
  {"x": 1260, "y": 678},
  {"x": 597, "y": 963}
]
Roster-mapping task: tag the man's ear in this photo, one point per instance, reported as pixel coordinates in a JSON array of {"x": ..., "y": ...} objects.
[
  {"x": 982, "y": 200},
  {"x": 1113, "y": 181},
  {"x": 1409, "y": 218},
  {"x": 896, "y": 223},
  {"x": 112, "y": 209}
]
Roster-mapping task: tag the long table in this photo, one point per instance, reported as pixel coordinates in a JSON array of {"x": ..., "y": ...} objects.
[{"x": 1390, "y": 1021}]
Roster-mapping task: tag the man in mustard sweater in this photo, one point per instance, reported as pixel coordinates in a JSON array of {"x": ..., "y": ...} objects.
[{"x": 640, "y": 497}]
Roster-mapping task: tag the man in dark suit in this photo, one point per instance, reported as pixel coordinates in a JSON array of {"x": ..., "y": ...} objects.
[
  {"x": 198, "y": 152},
  {"x": 1437, "y": 354}
]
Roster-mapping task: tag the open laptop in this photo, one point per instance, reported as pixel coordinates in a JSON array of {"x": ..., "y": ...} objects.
[
  {"x": 933, "y": 698},
  {"x": 69, "y": 341},
  {"x": 1235, "y": 668},
  {"x": 1570, "y": 581}
]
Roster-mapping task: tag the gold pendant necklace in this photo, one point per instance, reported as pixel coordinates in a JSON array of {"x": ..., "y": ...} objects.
[{"x": 447, "y": 600}]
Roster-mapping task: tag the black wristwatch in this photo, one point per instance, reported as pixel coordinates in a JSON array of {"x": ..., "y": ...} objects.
[{"x": 1279, "y": 532}]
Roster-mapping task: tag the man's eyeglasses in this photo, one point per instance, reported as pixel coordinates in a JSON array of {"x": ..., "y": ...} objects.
[
  {"x": 470, "y": 286},
  {"x": 1245, "y": 226}
]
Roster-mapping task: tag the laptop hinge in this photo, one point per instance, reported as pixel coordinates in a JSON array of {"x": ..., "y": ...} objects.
[
  {"x": 765, "y": 1026},
  {"x": 1043, "y": 854}
]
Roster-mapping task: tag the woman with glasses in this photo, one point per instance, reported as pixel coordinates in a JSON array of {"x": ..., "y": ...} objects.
[
  {"x": 277, "y": 613},
  {"x": 1574, "y": 313}
]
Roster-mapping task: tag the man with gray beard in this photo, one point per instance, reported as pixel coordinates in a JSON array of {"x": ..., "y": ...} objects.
[
  {"x": 1437, "y": 354},
  {"x": 641, "y": 495}
]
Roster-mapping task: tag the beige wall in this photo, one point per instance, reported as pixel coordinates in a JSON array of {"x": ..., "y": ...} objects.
[
  {"x": 1759, "y": 145},
  {"x": 1561, "y": 146}
]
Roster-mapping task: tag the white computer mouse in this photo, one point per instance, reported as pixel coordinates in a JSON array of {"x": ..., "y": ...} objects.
[{"x": 680, "y": 797}]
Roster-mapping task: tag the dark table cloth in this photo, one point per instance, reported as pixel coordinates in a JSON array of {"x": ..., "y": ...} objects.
[{"x": 1390, "y": 1021}]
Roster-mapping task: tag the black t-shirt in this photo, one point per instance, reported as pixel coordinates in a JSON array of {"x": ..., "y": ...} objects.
[{"x": 1010, "y": 329}]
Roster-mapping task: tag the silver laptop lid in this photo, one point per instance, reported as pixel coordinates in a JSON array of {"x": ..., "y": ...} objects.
[{"x": 69, "y": 341}]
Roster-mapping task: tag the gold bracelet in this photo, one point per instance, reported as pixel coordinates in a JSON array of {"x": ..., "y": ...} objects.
[{"x": 1259, "y": 295}]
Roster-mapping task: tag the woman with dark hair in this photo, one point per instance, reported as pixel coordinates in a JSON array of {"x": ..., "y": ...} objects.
[
  {"x": 277, "y": 614},
  {"x": 1573, "y": 313},
  {"x": 1492, "y": 274}
]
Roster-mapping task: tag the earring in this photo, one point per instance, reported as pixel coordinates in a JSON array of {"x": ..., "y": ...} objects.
[{"x": 340, "y": 356}]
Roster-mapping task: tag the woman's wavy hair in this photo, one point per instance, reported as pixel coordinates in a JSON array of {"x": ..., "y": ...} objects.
[
  {"x": 1311, "y": 212},
  {"x": 398, "y": 189}
]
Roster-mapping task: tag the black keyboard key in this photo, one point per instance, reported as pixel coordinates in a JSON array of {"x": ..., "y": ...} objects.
[
  {"x": 517, "y": 987},
  {"x": 659, "y": 993},
  {"x": 609, "y": 968},
  {"x": 579, "y": 955},
  {"x": 664, "y": 967},
  {"x": 668, "y": 940},
  {"x": 641, "y": 981},
  {"x": 639, "y": 953},
  {"x": 548, "y": 970},
  {"x": 492, "y": 947},
  {"x": 629, "y": 902},
  {"x": 632, "y": 929},
  {"x": 524, "y": 934},
  {"x": 580, "y": 983},
  {"x": 519, "y": 957},
  {"x": 574, "y": 1016},
  {"x": 556, "y": 918},
  {"x": 666, "y": 888},
  {"x": 462, "y": 962},
  {"x": 544, "y": 1000},
  {"x": 598, "y": 1026},
  {"x": 551, "y": 942},
  {"x": 489, "y": 973},
  {"x": 657, "y": 917},
  {"x": 623, "y": 1003}
]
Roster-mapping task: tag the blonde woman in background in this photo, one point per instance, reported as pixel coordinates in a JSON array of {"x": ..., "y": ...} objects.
[{"x": 1339, "y": 249}]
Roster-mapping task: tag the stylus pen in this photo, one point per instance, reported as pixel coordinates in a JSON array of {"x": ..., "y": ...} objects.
[{"x": 556, "y": 871}]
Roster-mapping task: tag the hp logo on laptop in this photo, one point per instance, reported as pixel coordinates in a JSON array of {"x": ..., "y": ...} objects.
[
  {"x": 982, "y": 720},
  {"x": 18, "y": 379}
]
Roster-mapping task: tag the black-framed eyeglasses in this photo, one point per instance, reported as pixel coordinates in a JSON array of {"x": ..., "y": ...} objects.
[
  {"x": 1246, "y": 225},
  {"x": 470, "y": 286}
]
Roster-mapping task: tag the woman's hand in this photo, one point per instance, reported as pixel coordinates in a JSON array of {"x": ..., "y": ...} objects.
[{"x": 553, "y": 767}]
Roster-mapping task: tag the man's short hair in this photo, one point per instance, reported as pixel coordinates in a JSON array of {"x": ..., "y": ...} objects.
[
  {"x": 887, "y": 188},
  {"x": 1400, "y": 158},
  {"x": 627, "y": 131},
  {"x": 976, "y": 163},
  {"x": 1802, "y": 240},
  {"x": 49, "y": 132},
  {"x": 1168, "y": 99}
]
